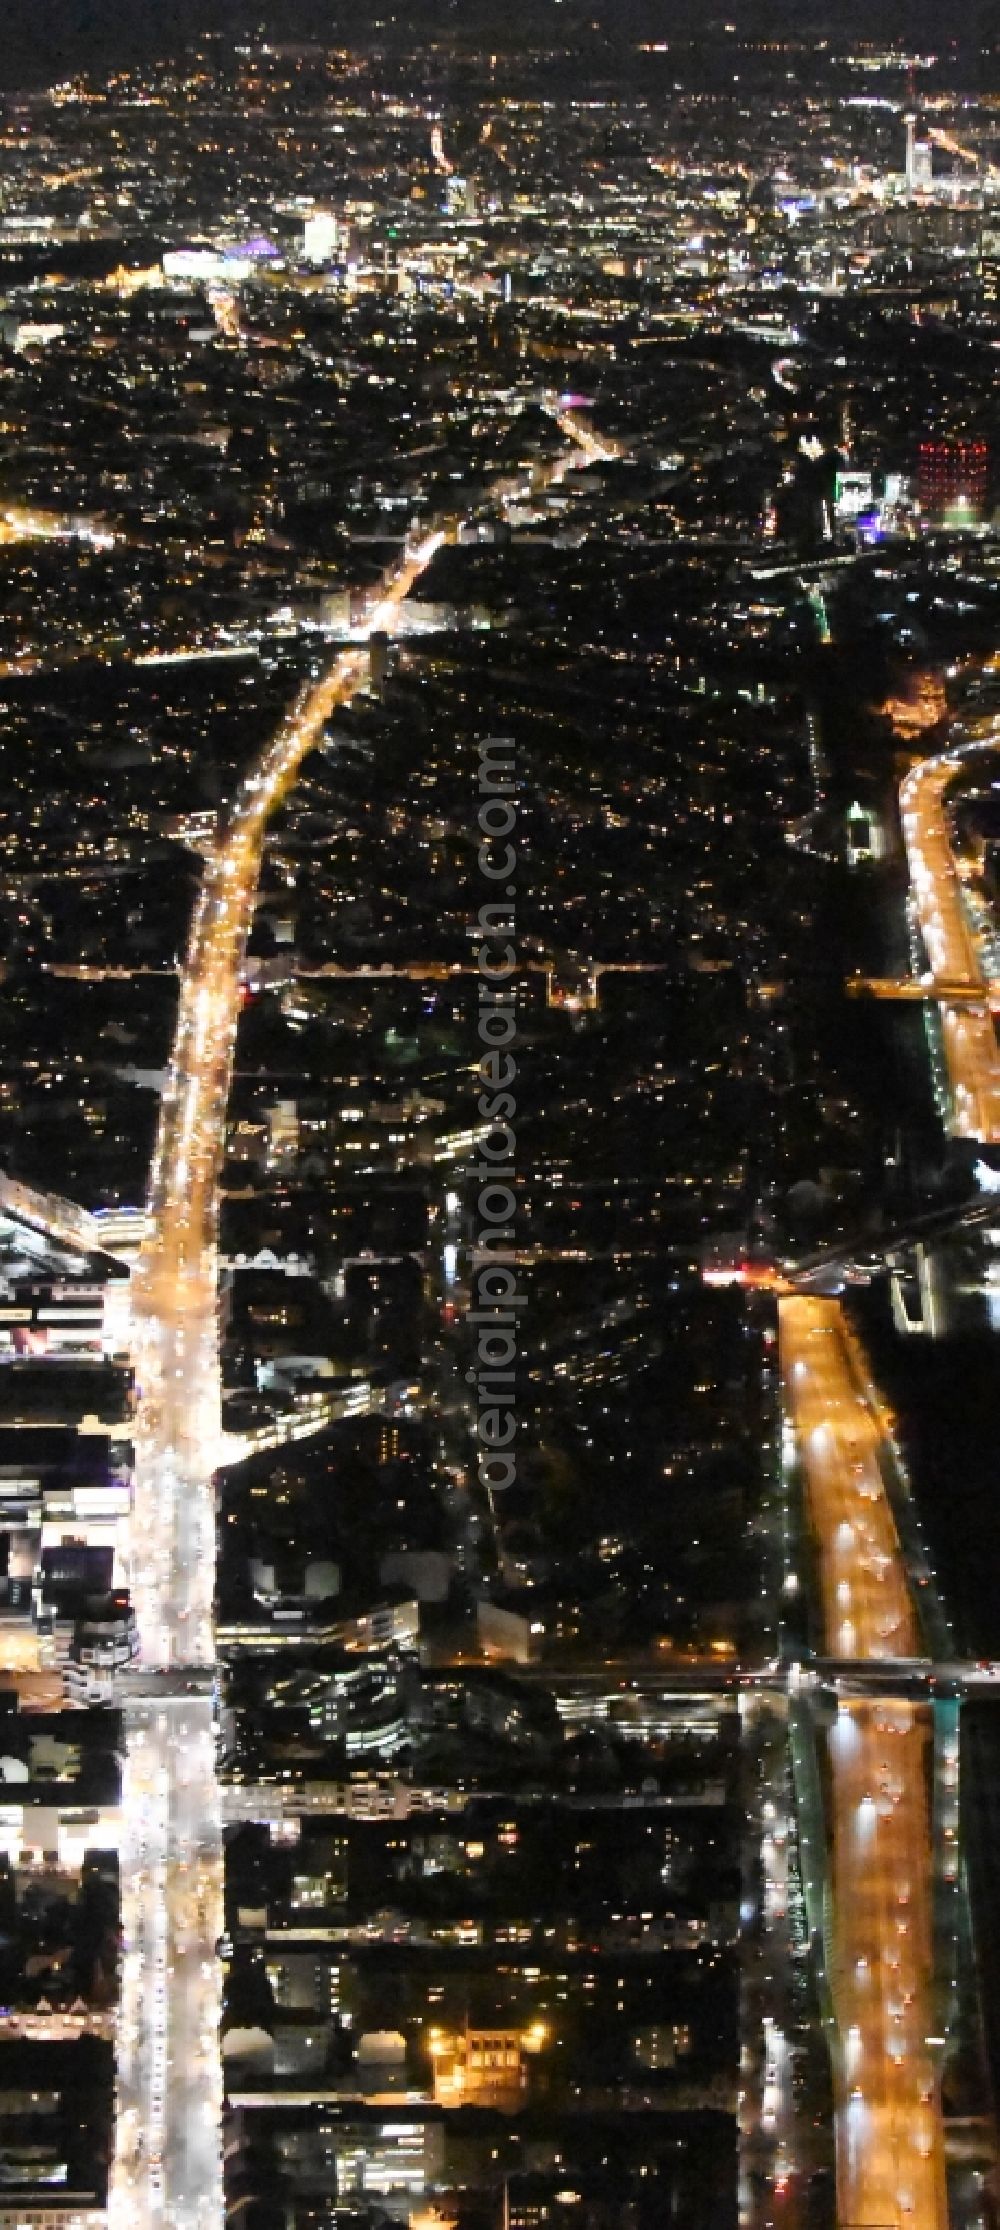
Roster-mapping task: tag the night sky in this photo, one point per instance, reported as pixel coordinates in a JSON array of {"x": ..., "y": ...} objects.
[{"x": 44, "y": 41}]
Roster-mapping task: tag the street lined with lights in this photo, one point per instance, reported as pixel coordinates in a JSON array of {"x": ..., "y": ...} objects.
[
  {"x": 889, "y": 2128},
  {"x": 167, "y": 2167},
  {"x": 968, "y": 1029}
]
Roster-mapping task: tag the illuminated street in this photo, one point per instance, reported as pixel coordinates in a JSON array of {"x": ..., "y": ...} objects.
[
  {"x": 168, "y": 2159},
  {"x": 889, "y": 2133},
  {"x": 968, "y": 1030},
  {"x": 167, "y": 2166},
  {"x": 175, "y": 1297}
]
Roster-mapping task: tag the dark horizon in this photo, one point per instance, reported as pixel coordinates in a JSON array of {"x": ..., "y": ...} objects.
[{"x": 64, "y": 36}]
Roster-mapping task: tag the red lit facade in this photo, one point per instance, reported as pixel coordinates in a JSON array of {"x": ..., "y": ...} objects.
[{"x": 952, "y": 480}]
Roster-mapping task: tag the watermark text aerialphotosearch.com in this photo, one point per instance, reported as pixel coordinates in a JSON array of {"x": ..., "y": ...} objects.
[{"x": 493, "y": 1268}]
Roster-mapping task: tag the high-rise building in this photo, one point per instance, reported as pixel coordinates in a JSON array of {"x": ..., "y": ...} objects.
[
  {"x": 989, "y": 266},
  {"x": 320, "y": 237},
  {"x": 952, "y": 481},
  {"x": 923, "y": 167},
  {"x": 919, "y": 170},
  {"x": 460, "y": 197}
]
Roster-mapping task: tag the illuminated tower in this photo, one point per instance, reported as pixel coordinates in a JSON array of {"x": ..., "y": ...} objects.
[
  {"x": 438, "y": 155},
  {"x": 911, "y": 147},
  {"x": 919, "y": 158}
]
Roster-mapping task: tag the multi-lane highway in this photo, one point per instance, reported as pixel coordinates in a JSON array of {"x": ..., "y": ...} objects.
[
  {"x": 889, "y": 2132},
  {"x": 967, "y": 1027},
  {"x": 867, "y": 1609},
  {"x": 889, "y": 2126}
]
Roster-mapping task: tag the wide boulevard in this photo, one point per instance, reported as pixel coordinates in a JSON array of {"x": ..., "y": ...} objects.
[
  {"x": 167, "y": 2168},
  {"x": 968, "y": 1029},
  {"x": 889, "y": 2130}
]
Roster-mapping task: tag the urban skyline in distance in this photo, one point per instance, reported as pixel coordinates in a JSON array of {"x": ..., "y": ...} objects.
[{"x": 499, "y": 1117}]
